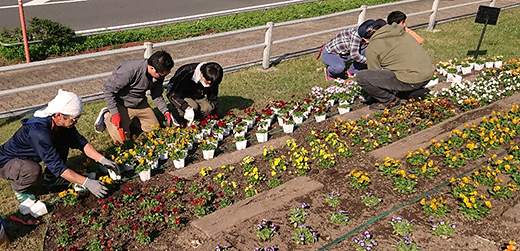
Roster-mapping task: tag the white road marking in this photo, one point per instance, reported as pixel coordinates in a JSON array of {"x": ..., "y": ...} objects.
[{"x": 41, "y": 2}]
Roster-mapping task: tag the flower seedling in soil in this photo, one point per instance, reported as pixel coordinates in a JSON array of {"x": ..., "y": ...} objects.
[
  {"x": 222, "y": 248},
  {"x": 474, "y": 206},
  {"x": 177, "y": 221},
  {"x": 407, "y": 243},
  {"x": 69, "y": 197},
  {"x": 65, "y": 236},
  {"x": 274, "y": 182},
  {"x": 436, "y": 207},
  {"x": 339, "y": 217},
  {"x": 250, "y": 191},
  {"x": 365, "y": 242},
  {"x": 298, "y": 215},
  {"x": 143, "y": 237},
  {"x": 102, "y": 244},
  {"x": 442, "y": 228},
  {"x": 304, "y": 235},
  {"x": 456, "y": 160},
  {"x": 503, "y": 192},
  {"x": 268, "y": 153},
  {"x": 332, "y": 198},
  {"x": 401, "y": 226},
  {"x": 404, "y": 183},
  {"x": 265, "y": 230},
  {"x": 428, "y": 170},
  {"x": 418, "y": 157},
  {"x": 265, "y": 249},
  {"x": 225, "y": 202},
  {"x": 370, "y": 199},
  {"x": 510, "y": 246},
  {"x": 359, "y": 179}
]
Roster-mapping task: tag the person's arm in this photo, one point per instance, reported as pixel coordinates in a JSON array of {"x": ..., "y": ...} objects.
[
  {"x": 121, "y": 76},
  {"x": 73, "y": 177},
  {"x": 157, "y": 96},
  {"x": 355, "y": 46},
  {"x": 373, "y": 61},
  {"x": 213, "y": 95},
  {"x": 91, "y": 152},
  {"x": 181, "y": 78},
  {"x": 419, "y": 39}
]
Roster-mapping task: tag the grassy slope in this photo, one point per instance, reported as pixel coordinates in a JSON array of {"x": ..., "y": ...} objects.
[{"x": 251, "y": 87}]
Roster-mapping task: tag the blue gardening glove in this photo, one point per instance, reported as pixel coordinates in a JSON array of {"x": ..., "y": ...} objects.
[
  {"x": 110, "y": 164},
  {"x": 96, "y": 187}
]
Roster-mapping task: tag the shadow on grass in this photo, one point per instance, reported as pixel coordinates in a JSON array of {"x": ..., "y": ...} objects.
[{"x": 226, "y": 103}]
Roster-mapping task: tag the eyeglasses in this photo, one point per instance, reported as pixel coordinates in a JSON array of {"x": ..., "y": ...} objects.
[{"x": 73, "y": 120}]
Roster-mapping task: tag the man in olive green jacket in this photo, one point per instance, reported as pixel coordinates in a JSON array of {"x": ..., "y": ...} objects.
[{"x": 396, "y": 63}]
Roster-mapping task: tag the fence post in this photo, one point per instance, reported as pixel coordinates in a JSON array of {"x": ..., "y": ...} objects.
[
  {"x": 433, "y": 15},
  {"x": 268, "y": 44},
  {"x": 492, "y": 3},
  {"x": 362, "y": 14},
  {"x": 148, "y": 49}
]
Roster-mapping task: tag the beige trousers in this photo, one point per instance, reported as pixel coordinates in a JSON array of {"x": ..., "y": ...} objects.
[
  {"x": 142, "y": 115},
  {"x": 201, "y": 107}
]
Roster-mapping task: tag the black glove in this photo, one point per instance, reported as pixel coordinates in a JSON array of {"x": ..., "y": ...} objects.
[{"x": 110, "y": 164}]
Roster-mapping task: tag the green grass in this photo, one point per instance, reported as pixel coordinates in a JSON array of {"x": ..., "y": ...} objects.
[{"x": 251, "y": 87}]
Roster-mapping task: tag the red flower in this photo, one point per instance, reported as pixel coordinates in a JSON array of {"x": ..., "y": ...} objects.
[
  {"x": 178, "y": 221},
  {"x": 210, "y": 188},
  {"x": 175, "y": 210}
]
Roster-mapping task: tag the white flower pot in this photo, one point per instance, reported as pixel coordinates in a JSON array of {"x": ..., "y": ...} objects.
[
  {"x": 226, "y": 132},
  {"x": 145, "y": 175},
  {"x": 128, "y": 167},
  {"x": 208, "y": 154},
  {"x": 343, "y": 110},
  {"x": 280, "y": 121},
  {"x": 268, "y": 122},
  {"x": 241, "y": 145},
  {"x": 498, "y": 64},
  {"x": 163, "y": 155},
  {"x": 288, "y": 128},
  {"x": 432, "y": 82},
  {"x": 78, "y": 188},
  {"x": 250, "y": 123},
  {"x": 331, "y": 102},
  {"x": 179, "y": 163},
  {"x": 298, "y": 120},
  {"x": 238, "y": 134},
  {"x": 479, "y": 67},
  {"x": 220, "y": 136},
  {"x": 454, "y": 78},
  {"x": 466, "y": 70},
  {"x": 320, "y": 118},
  {"x": 489, "y": 64},
  {"x": 206, "y": 132},
  {"x": 38, "y": 209},
  {"x": 113, "y": 175},
  {"x": 262, "y": 137},
  {"x": 154, "y": 163}
]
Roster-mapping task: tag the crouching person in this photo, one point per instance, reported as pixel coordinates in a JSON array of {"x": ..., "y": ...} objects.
[{"x": 47, "y": 136}]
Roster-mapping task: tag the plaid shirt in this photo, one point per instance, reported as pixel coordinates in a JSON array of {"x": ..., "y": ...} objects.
[{"x": 347, "y": 43}]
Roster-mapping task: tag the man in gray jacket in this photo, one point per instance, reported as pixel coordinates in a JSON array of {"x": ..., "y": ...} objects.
[
  {"x": 396, "y": 62},
  {"x": 125, "y": 96}
]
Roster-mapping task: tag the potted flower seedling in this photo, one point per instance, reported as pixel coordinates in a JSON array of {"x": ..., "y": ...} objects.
[
  {"x": 250, "y": 116},
  {"x": 297, "y": 115},
  {"x": 219, "y": 130},
  {"x": 262, "y": 124},
  {"x": 344, "y": 108},
  {"x": 143, "y": 169},
  {"x": 466, "y": 68},
  {"x": 489, "y": 62},
  {"x": 452, "y": 76},
  {"x": 152, "y": 157},
  {"x": 267, "y": 115},
  {"x": 497, "y": 61},
  {"x": 208, "y": 149},
  {"x": 434, "y": 80},
  {"x": 240, "y": 142},
  {"x": 479, "y": 64},
  {"x": 320, "y": 113},
  {"x": 288, "y": 125},
  {"x": 178, "y": 157},
  {"x": 262, "y": 135}
]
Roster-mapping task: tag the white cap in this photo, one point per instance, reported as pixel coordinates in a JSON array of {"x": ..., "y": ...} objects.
[{"x": 65, "y": 102}]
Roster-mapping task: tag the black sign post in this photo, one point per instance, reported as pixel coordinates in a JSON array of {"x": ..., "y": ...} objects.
[{"x": 486, "y": 15}]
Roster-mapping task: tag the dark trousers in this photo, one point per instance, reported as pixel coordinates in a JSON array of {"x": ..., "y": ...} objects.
[
  {"x": 380, "y": 84},
  {"x": 21, "y": 173}
]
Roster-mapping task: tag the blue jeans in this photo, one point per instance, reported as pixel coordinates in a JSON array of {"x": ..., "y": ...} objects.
[{"x": 336, "y": 64}]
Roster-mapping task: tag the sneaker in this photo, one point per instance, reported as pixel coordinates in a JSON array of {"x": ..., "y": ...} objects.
[
  {"x": 389, "y": 105},
  {"x": 327, "y": 76},
  {"x": 23, "y": 196},
  {"x": 54, "y": 181},
  {"x": 99, "y": 125}
]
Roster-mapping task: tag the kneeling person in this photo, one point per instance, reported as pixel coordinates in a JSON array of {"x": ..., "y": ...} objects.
[{"x": 193, "y": 90}]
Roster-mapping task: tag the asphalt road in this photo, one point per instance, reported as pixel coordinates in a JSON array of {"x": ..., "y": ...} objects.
[{"x": 92, "y": 14}]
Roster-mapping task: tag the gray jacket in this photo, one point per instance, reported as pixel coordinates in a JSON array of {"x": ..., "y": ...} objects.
[{"x": 128, "y": 84}]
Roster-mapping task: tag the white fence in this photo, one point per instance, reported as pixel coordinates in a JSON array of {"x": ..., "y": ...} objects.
[{"x": 266, "y": 44}]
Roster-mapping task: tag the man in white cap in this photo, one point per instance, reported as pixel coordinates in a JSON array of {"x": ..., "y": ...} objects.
[{"x": 47, "y": 136}]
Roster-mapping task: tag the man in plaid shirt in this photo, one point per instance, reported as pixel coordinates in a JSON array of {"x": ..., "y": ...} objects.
[{"x": 349, "y": 44}]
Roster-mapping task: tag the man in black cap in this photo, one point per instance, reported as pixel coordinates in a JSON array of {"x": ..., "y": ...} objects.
[{"x": 348, "y": 45}]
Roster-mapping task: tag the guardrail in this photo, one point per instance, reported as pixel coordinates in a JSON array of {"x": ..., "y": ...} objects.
[{"x": 266, "y": 44}]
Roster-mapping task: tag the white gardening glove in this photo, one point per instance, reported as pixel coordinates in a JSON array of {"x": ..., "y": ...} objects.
[
  {"x": 96, "y": 187},
  {"x": 189, "y": 115},
  {"x": 110, "y": 164}
]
